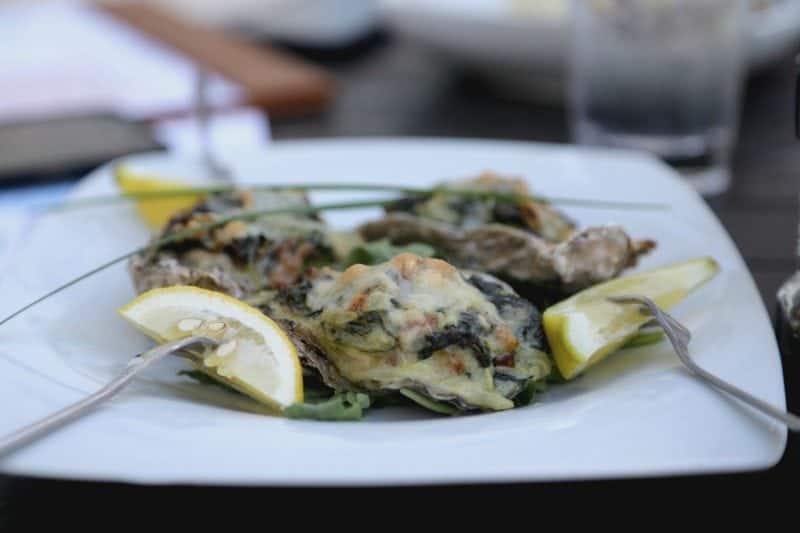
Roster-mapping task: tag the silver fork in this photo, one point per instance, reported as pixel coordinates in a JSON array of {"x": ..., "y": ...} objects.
[
  {"x": 219, "y": 172},
  {"x": 679, "y": 337},
  {"x": 44, "y": 426}
]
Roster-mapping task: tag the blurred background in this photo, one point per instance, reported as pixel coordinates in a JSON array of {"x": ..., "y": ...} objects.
[{"x": 705, "y": 85}]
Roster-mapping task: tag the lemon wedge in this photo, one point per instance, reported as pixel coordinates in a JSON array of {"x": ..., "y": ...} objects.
[
  {"x": 254, "y": 355},
  {"x": 586, "y": 327},
  {"x": 154, "y": 211}
]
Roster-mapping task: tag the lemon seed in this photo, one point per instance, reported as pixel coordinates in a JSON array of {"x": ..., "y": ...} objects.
[
  {"x": 189, "y": 324},
  {"x": 226, "y": 349}
]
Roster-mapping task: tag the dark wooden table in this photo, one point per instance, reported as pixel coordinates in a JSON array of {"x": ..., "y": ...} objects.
[{"x": 390, "y": 87}]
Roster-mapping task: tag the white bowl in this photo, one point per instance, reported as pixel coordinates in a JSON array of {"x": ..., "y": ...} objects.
[{"x": 522, "y": 46}]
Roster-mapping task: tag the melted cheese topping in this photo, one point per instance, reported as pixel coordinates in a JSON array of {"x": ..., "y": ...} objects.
[{"x": 412, "y": 322}]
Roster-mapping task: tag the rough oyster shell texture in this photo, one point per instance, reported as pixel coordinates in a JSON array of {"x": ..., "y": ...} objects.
[
  {"x": 541, "y": 246},
  {"x": 237, "y": 258}
]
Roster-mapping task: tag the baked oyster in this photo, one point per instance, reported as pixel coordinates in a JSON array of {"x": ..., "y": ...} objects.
[
  {"x": 239, "y": 258},
  {"x": 524, "y": 242},
  {"x": 474, "y": 211},
  {"x": 418, "y": 324}
]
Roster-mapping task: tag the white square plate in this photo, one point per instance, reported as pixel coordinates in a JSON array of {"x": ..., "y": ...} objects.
[{"x": 636, "y": 414}]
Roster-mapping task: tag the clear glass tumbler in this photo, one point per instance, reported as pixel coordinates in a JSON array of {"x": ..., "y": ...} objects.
[{"x": 662, "y": 76}]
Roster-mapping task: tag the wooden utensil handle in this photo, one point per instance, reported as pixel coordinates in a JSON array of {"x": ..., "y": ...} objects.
[{"x": 274, "y": 80}]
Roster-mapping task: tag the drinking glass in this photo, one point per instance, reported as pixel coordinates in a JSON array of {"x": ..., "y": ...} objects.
[{"x": 662, "y": 76}]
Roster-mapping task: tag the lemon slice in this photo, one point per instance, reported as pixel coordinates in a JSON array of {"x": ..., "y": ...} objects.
[
  {"x": 586, "y": 328},
  {"x": 155, "y": 211},
  {"x": 254, "y": 355}
]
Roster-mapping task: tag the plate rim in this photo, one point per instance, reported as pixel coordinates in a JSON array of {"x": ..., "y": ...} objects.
[{"x": 409, "y": 142}]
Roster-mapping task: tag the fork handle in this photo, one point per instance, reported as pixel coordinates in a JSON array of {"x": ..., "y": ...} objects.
[
  {"x": 679, "y": 337},
  {"x": 682, "y": 350},
  {"x": 792, "y": 421},
  {"x": 54, "y": 421},
  {"x": 58, "y": 419}
]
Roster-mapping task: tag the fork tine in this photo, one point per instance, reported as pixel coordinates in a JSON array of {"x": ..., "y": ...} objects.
[
  {"x": 683, "y": 330},
  {"x": 683, "y": 334},
  {"x": 651, "y": 308},
  {"x": 654, "y": 323}
]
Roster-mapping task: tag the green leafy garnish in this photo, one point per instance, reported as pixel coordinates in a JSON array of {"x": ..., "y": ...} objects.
[
  {"x": 392, "y": 399},
  {"x": 341, "y": 406},
  {"x": 526, "y": 396},
  {"x": 143, "y": 196},
  {"x": 553, "y": 377},
  {"x": 532, "y": 388},
  {"x": 319, "y": 403},
  {"x": 376, "y": 252}
]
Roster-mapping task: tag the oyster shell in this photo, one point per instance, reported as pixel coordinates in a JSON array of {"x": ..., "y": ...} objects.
[
  {"x": 420, "y": 323},
  {"x": 590, "y": 256},
  {"x": 246, "y": 261},
  {"x": 470, "y": 212},
  {"x": 537, "y": 245},
  {"x": 238, "y": 258}
]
